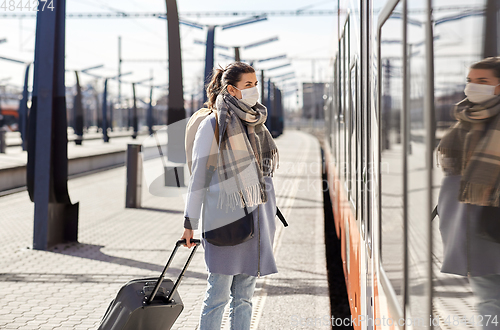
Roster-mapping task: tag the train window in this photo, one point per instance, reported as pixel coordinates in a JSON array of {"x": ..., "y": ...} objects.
[
  {"x": 338, "y": 83},
  {"x": 358, "y": 142},
  {"x": 334, "y": 114},
  {"x": 329, "y": 113},
  {"x": 353, "y": 77},
  {"x": 347, "y": 110},
  {"x": 340, "y": 133},
  {"x": 462, "y": 35},
  {"x": 418, "y": 304},
  {"x": 391, "y": 153}
]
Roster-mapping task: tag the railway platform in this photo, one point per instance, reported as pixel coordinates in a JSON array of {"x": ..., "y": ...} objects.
[
  {"x": 71, "y": 285},
  {"x": 92, "y": 155}
]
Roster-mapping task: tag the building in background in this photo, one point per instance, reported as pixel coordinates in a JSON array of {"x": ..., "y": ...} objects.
[{"x": 313, "y": 101}]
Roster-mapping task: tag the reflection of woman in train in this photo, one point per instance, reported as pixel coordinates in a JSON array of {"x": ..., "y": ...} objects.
[
  {"x": 470, "y": 192},
  {"x": 245, "y": 144}
]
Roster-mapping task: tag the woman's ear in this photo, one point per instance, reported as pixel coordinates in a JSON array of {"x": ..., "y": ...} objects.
[{"x": 231, "y": 90}]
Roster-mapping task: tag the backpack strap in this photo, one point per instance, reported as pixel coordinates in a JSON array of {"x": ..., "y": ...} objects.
[
  {"x": 214, "y": 152},
  {"x": 434, "y": 213},
  {"x": 281, "y": 217},
  {"x": 216, "y": 128}
]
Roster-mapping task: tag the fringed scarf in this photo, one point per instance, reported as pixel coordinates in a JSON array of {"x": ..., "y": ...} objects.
[
  {"x": 472, "y": 149},
  {"x": 243, "y": 160}
]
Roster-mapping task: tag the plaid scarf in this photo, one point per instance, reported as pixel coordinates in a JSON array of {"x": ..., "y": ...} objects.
[
  {"x": 243, "y": 160},
  {"x": 472, "y": 149}
]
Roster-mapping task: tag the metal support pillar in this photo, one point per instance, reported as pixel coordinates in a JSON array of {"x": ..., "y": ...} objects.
[
  {"x": 193, "y": 109},
  {"x": 78, "y": 112},
  {"x": 111, "y": 110},
  {"x": 491, "y": 29},
  {"x": 134, "y": 176},
  {"x": 279, "y": 112},
  {"x": 262, "y": 88},
  {"x": 176, "y": 112},
  {"x": 237, "y": 54},
  {"x": 56, "y": 218},
  {"x": 129, "y": 117},
  {"x": 3, "y": 144},
  {"x": 23, "y": 109},
  {"x": 135, "y": 123},
  {"x": 98, "y": 116},
  {"x": 105, "y": 112},
  {"x": 269, "y": 105},
  {"x": 150, "y": 112},
  {"x": 119, "y": 70},
  {"x": 274, "y": 113},
  {"x": 2, "y": 120},
  {"x": 209, "y": 59}
]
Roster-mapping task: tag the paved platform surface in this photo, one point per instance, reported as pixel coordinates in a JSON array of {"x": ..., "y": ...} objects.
[{"x": 71, "y": 285}]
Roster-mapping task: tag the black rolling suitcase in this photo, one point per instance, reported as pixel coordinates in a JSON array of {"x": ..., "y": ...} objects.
[{"x": 148, "y": 303}]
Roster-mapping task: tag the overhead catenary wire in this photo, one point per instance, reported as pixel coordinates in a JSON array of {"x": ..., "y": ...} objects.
[
  {"x": 120, "y": 14},
  {"x": 198, "y": 14}
]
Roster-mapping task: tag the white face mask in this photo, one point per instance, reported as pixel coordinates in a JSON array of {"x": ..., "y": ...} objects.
[
  {"x": 249, "y": 96},
  {"x": 479, "y": 93}
]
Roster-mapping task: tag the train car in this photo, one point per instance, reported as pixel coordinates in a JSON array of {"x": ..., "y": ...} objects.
[
  {"x": 400, "y": 67},
  {"x": 9, "y": 118}
]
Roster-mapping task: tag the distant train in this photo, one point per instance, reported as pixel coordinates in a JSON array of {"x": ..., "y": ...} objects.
[
  {"x": 9, "y": 118},
  {"x": 400, "y": 67}
]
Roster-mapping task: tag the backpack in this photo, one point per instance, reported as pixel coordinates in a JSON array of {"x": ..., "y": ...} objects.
[{"x": 191, "y": 128}]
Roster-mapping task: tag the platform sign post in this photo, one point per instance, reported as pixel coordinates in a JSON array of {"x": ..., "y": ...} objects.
[
  {"x": 55, "y": 218},
  {"x": 134, "y": 176}
]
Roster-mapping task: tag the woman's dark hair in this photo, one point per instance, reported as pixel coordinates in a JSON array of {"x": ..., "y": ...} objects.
[
  {"x": 489, "y": 63},
  {"x": 231, "y": 75}
]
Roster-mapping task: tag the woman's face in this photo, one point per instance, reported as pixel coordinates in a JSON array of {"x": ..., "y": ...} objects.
[
  {"x": 248, "y": 80},
  {"x": 484, "y": 77}
]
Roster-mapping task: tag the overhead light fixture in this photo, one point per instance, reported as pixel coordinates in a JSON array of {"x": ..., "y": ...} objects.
[
  {"x": 272, "y": 58},
  {"x": 258, "y": 43},
  {"x": 244, "y": 22},
  {"x": 279, "y": 67}
]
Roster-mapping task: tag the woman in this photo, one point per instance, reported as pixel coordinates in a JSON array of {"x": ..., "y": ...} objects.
[
  {"x": 248, "y": 157},
  {"x": 470, "y": 192}
]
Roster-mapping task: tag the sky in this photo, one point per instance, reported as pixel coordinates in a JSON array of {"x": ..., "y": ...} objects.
[{"x": 91, "y": 42}]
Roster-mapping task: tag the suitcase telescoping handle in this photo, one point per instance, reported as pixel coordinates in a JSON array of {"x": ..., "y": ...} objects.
[{"x": 181, "y": 275}]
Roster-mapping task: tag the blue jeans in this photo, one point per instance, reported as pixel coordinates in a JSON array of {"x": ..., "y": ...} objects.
[
  {"x": 486, "y": 289},
  {"x": 222, "y": 288}
]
